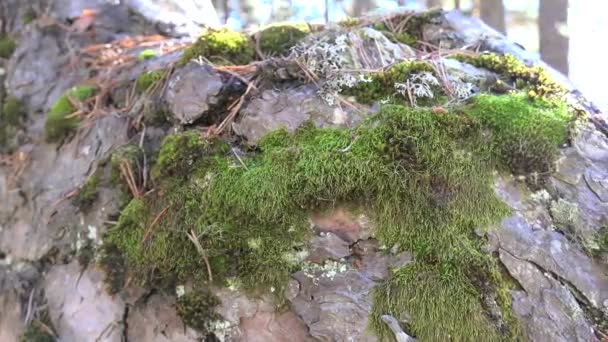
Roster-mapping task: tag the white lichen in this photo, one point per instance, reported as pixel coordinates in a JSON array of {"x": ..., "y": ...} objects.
[
  {"x": 180, "y": 290},
  {"x": 233, "y": 284},
  {"x": 328, "y": 270},
  {"x": 417, "y": 86},
  {"x": 254, "y": 244},
  {"x": 295, "y": 258},
  {"x": 564, "y": 213},
  {"x": 541, "y": 197}
]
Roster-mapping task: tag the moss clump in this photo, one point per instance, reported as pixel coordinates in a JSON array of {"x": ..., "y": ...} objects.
[
  {"x": 29, "y": 16},
  {"x": 196, "y": 310},
  {"x": 277, "y": 39},
  {"x": 146, "y": 54},
  {"x": 11, "y": 116},
  {"x": 59, "y": 123},
  {"x": 602, "y": 241},
  {"x": 424, "y": 177},
  {"x": 350, "y": 22},
  {"x": 146, "y": 80},
  {"x": 411, "y": 32},
  {"x": 124, "y": 158},
  {"x": 381, "y": 85},
  {"x": 112, "y": 262},
  {"x": 396, "y": 37},
  {"x": 535, "y": 79},
  {"x": 154, "y": 113},
  {"x": 87, "y": 193},
  {"x": 7, "y": 46},
  {"x": 12, "y": 111},
  {"x": 525, "y": 133},
  {"x": 223, "y": 47},
  {"x": 34, "y": 333}
]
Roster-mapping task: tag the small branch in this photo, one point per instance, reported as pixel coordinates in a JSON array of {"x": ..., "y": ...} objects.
[
  {"x": 201, "y": 251},
  {"x": 154, "y": 222},
  {"x": 400, "y": 335}
]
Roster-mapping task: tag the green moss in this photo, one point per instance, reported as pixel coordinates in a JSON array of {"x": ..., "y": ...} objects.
[
  {"x": 34, "y": 333},
  {"x": 154, "y": 113},
  {"x": 7, "y": 46},
  {"x": 146, "y": 54},
  {"x": 148, "y": 79},
  {"x": 425, "y": 178},
  {"x": 58, "y": 123},
  {"x": 111, "y": 261},
  {"x": 350, "y": 22},
  {"x": 535, "y": 79},
  {"x": 124, "y": 157},
  {"x": 11, "y": 116},
  {"x": 221, "y": 47},
  {"x": 525, "y": 133},
  {"x": 277, "y": 39},
  {"x": 29, "y": 16},
  {"x": 87, "y": 193},
  {"x": 381, "y": 85},
  {"x": 196, "y": 310},
  {"x": 410, "y": 26},
  {"x": 12, "y": 111}
]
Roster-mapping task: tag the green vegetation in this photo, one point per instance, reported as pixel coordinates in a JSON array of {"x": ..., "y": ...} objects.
[
  {"x": 88, "y": 193},
  {"x": 29, "y": 16},
  {"x": 535, "y": 79},
  {"x": 277, "y": 39},
  {"x": 223, "y": 47},
  {"x": 146, "y": 80},
  {"x": 425, "y": 178},
  {"x": 11, "y": 116},
  {"x": 410, "y": 26},
  {"x": 381, "y": 85},
  {"x": 196, "y": 310},
  {"x": 350, "y": 22},
  {"x": 111, "y": 261},
  {"x": 146, "y": 54},
  {"x": 123, "y": 159},
  {"x": 526, "y": 133},
  {"x": 396, "y": 37},
  {"x": 59, "y": 123},
  {"x": 12, "y": 111},
  {"x": 35, "y": 333},
  {"x": 7, "y": 46}
]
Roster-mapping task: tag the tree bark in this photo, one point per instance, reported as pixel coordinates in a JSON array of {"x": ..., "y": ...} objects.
[
  {"x": 553, "y": 45},
  {"x": 492, "y": 12},
  {"x": 434, "y": 3},
  {"x": 361, "y": 7}
]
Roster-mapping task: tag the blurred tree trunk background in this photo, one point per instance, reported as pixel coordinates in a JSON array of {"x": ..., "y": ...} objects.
[
  {"x": 492, "y": 12},
  {"x": 539, "y": 25},
  {"x": 552, "y": 16}
]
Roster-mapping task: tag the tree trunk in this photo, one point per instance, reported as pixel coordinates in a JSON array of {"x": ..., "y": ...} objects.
[
  {"x": 361, "y": 7},
  {"x": 492, "y": 12},
  {"x": 553, "y": 45},
  {"x": 433, "y": 3}
]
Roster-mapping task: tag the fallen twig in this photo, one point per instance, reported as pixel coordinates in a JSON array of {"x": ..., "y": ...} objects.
[
  {"x": 148, "y": 232},
  {"x": 202, "y": 252}
]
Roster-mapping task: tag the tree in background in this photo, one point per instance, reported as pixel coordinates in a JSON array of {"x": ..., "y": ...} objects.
[
  {"x": 492, "y": 12},
  {"x": 434, "y": 3},
  {"x": 282, "y": 10},
  {"x": 553, "y": 14},
  {"x": 361, "y": 7}
]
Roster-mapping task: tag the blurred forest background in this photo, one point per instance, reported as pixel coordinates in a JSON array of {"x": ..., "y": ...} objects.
[{"x": 568, "y": 35}]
